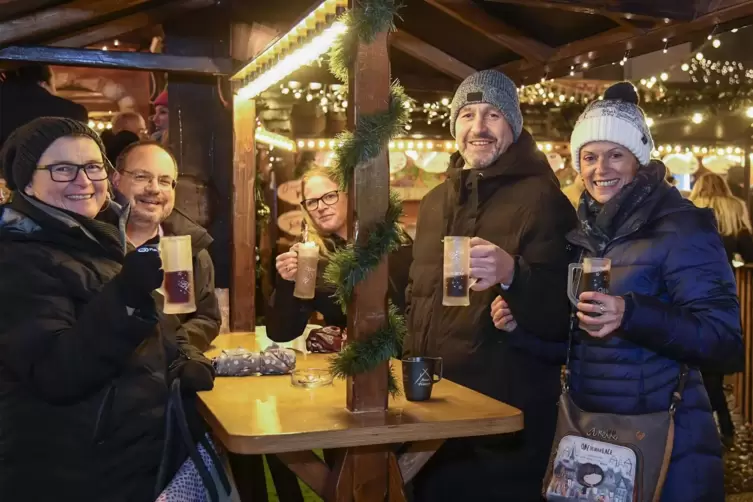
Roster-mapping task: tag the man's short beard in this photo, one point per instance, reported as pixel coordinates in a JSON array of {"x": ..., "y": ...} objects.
[{"x": 482, "y": 165}]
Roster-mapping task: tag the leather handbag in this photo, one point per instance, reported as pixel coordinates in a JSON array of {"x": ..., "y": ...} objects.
[{"x": 606, "y": 456}]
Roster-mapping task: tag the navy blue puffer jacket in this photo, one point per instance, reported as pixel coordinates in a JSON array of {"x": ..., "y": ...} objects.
[{"x": 669, "y": 264}]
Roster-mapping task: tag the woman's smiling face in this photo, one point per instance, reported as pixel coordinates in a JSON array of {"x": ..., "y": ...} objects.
[{"x": 606, "y": 167}]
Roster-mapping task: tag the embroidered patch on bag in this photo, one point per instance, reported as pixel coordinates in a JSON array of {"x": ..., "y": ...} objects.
[{"x": 588, "y": 470}]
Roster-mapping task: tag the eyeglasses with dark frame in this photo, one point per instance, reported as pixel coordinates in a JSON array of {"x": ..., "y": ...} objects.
[
  {"x": 328, "y": 199},
  {"x": 65, "y": 172},
  {"x": 142, "y": 178}
]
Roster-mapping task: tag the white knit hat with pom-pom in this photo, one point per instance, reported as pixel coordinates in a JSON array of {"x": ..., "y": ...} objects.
[{"x": 618, "y": 119}]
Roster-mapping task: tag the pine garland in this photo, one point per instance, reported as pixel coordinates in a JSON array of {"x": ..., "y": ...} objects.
[
  {"x": 365, "y": 21},
  {"x": 347, "y": 267},
  {"x": 352, "y": 265},
  {"x": 372, "y": 134},
  {"x": 360, "y": 357}
]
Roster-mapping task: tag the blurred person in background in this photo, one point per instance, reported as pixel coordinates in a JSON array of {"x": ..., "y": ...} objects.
[
  {"x": 85, "y": 366},
  {"x": 731, "y": 213},
  {"x": 161, "y": 117},
  {"x": 130, "y": 121},
  {"x": 29, "y": 92},
  {"x": 712, "y": 191},
  {"x": 145, "y": 177}
]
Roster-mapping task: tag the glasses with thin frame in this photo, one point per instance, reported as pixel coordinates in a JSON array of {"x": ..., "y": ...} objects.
[
  {"x": 328, "y": 199},
  {"x": 142, "y": 178},
  {"x": 64, "y": 172}
]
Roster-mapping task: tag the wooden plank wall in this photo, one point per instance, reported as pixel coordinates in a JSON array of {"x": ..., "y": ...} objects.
[{"x": 744, "y": 381}]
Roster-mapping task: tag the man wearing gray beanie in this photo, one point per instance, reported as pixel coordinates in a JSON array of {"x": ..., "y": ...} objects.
[{"x": 500, "y": 192}]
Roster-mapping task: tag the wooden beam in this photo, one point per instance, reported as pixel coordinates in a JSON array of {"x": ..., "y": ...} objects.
[
  {"x": 476, "y": 18},
  {"x": 13, "y": 9},
  {"x": 667, "y": 9},
  {"x": 430, "y": 55},
  {"x": 73, "y": 15},
  {"x": 311, "y": 469},
  {"x": 416, "y": 456},
  {"x": 120, "y": 60},
  {"x": 610, "y": 46},
  {"x": 155, "y": 14}
]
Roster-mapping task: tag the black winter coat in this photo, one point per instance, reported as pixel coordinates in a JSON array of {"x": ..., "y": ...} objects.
[
  {"x": 287, "y": 315},
  {"x": 516, "y": 204},
  {"x": 83, "y": 384},
  {"x": 202, "y": 326}
]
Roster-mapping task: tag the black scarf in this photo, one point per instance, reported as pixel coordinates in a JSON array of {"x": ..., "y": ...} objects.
[{"x": 600, "y": 222}]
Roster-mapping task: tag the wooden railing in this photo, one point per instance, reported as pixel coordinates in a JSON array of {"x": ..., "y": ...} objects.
[{"x": 744, "y": 380}]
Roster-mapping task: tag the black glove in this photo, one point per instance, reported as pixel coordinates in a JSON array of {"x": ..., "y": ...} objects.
[
  {"x": 141, "y": 274},
  {"x": 195, "y": 375}
]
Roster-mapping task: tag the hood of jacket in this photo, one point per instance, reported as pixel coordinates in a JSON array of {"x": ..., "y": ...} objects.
[
  {"x": 178, "y": 223},
  {"x": 28, "y": 219}
]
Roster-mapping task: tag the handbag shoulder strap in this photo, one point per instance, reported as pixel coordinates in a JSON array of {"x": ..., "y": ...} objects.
[{"x": 682, "y": 378}]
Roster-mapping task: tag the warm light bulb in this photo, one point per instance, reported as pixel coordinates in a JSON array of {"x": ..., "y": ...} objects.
[
  {"x": 699, "y": 56},
  {"x": 664, "y": 77},
  {"x": 697, "y": 118},
  {"x": 585, "y": 65},
  {"x": 716, "y": 43},
  {"x": 749, "y": 112},
  {"x": 311, "y": 144},
  {"x": 301, "y": 57},
  {"x": 649, "y": 121},
  {"x": 685, "y": 67},
  {"x": 92, "y": 124}
]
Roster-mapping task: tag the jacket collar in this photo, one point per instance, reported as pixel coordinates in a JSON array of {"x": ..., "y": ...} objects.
[{"x": 522, "y": 159}]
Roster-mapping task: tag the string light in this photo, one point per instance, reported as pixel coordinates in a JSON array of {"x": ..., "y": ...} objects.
[
  {"x": 276, "y": 63},
  {"x": 697, "y": 118},
  {"x": 399, "y": 144}
]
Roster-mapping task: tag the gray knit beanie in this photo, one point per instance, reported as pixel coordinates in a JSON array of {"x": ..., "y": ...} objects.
[
  {"x": 618, "y": 119},
  {"x": 24, "y": 147},
  {"x": 494, "y": 88}
]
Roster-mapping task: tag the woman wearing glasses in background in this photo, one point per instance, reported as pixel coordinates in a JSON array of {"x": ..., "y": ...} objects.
[
  {"x": 83, "y": 363},
  {"x": 325, "y": 209}
]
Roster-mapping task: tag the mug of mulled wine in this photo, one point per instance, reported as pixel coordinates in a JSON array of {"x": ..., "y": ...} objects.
[
  {"x": 177, "y": 262},
  {"x": 592, "y": 275},
  {"x": 419, "y": 376}
]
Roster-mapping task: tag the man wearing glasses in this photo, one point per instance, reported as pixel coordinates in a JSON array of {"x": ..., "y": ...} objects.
[{"x": 145, "y": 177}]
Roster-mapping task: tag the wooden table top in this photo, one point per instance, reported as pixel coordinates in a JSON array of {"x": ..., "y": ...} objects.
[{"x": 267, "y": 414}]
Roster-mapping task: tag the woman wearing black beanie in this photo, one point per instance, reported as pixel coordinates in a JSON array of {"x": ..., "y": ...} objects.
[{"x": 83, "y": 364}]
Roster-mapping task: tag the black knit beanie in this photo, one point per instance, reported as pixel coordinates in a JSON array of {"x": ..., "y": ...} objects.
[{"x": 23, "y": 149}]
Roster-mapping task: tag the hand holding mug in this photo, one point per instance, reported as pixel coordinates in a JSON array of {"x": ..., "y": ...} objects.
[
  {"x": 609, "y": 311},
  {"x": 502, "y": 315},
  {"x": 490, "y": 265},
  {"x": 287, "y": 264}
]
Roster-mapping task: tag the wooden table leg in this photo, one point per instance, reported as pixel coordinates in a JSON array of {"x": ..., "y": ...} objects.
[
  {"x": 248, "y": 471},
  {"x": 395, "y": 491},
  {"x": 284, "y": 479},
  {"x": 310, "y": 468},
  {"x": 416, "y": 456},
  {"x": 340, "y": 481},
  {"x": 370, "y": 478}
]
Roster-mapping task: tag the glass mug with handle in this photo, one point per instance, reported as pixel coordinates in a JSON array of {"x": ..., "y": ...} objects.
[
  {"x": 456, "y": 276},
  {"x": 594, "y": 276},
  {"x": 178, "y": 286}
]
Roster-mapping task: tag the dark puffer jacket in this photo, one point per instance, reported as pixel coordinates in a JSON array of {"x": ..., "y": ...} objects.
[
  {"x": 83, "y": 384},
  {"x": 516, "y": 204},
  {"x": 669, "y": 263}
]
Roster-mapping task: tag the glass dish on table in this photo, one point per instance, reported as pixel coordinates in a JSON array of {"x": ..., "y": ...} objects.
[{"x": 310, "y": 378}]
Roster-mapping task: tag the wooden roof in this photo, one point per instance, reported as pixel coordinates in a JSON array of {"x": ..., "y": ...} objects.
[{"x": 438, "y": 41}]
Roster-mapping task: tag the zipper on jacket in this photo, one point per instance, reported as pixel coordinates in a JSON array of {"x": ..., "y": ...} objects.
[{"x": 103, "y": 415}]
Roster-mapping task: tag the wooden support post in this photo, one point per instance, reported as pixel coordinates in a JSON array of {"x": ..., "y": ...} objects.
[
  {"x": 368, "y": 199},
  {"x": 201, "y": 137}
]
